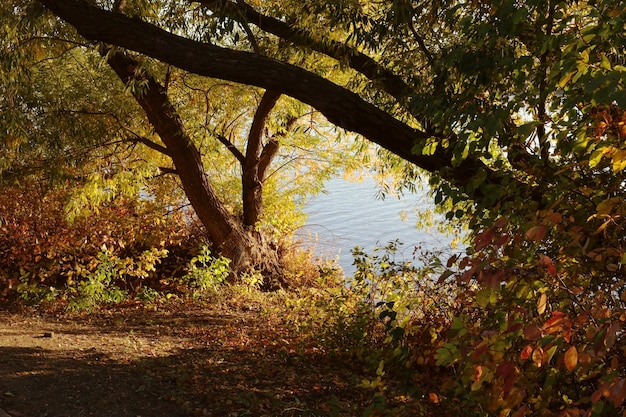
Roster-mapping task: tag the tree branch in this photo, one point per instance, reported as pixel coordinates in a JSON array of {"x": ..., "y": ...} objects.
[
  {"x": 230, "y": 146},
  {"x": 166, "y": 170},
  {"x": 150, "y": 144},
  {"x": 340, "y": 106},
  {"x": 269, "y": 151},
  {"x": 243, "y": 12},
  {"x": 268, "y": 101},
  {"x": 271, "y": 148}
]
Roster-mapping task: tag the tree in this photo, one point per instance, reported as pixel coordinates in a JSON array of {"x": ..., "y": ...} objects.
[
  {"x": 517, "y": 109},
  {"x": 485, "y": 95},
  {"x": 110, "y": 127}
]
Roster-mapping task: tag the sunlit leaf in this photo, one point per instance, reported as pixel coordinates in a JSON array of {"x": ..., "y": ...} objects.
[
  {"x": 537, "y": 356},
  {"x": 541, "y": 303},
  {"x": 537, "y": 233},
  {"x": 571, "y": 358}
]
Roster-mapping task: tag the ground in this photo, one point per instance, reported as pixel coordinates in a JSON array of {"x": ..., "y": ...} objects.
[{"x": 174, "y": 360}]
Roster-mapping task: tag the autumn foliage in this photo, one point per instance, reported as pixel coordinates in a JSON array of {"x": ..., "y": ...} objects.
[
  {"x": 536, "y": 324},
  {"x": 43, "y": 250}
]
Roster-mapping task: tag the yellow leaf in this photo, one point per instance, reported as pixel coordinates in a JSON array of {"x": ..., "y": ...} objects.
[
  {"x": 571, "y": 358},
  {"x": 606, "y": 206},
  {"x": 619, "y": 160},
  {"x": 537, "y": 357},
  {"x": 541, "y": 303}
]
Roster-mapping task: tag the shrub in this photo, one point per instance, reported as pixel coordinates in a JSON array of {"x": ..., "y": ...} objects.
[{"x": 43, "y": 254}]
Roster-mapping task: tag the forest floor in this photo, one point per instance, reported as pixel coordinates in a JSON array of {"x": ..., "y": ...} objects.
[{"x": 176, "y": 359}]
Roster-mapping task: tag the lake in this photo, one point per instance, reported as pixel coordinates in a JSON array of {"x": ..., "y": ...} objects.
[{"x": 351, "y": 215}]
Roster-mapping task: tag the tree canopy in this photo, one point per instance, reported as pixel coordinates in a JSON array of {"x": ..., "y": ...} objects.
[{"x": 439, "y": 85}]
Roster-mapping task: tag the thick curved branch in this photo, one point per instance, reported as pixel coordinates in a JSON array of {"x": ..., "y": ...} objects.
[
  {"x": 340, "y": 106},
  {"x": 185, "y": 155},
  {"x": 243, "y": 12}
]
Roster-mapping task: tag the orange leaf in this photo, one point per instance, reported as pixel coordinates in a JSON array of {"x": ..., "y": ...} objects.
[
  {"x": 603, "y": 391},
  {"x": 536, "y": 233},
  {"x": 571, "y": 358},
  {"x": 433, "y": 397},
  {"x": 478, "y": 372},
  {"x": 611, "y": 334},
  {"x": 547, "y": 263}
]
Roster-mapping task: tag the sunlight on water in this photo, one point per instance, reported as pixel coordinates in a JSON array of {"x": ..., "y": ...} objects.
[{"x": 351, "y": 215}]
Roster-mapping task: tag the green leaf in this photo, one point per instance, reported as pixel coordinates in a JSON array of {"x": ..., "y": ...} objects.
[
  {"x": 596, "y": 157},
  {"x": 485, "y": 297}
]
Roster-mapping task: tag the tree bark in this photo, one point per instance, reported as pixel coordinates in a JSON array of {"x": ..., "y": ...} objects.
[
  {"x": 244, "y": 13},
  {"x": 245, "y": 248},
  {"x": 340, "y": 106},
  {"x": 251, "y": 181}
]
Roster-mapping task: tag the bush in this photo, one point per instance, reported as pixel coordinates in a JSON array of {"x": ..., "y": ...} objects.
[{"x": 127, "y": 245}]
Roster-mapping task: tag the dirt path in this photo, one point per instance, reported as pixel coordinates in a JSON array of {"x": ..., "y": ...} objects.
[{"x": 183, "y": 361}]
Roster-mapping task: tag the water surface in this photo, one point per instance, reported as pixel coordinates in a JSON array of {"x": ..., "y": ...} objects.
[{"x": 351, "y": 215}]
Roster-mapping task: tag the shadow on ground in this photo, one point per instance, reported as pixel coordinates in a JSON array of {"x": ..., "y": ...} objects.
[{"x": 187, "y": 364}]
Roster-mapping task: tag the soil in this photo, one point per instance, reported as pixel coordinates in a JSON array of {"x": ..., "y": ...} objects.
[{"x": 178, "y": 360}]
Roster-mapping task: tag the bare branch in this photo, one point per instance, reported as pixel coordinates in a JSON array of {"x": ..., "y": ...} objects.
[{"x": 230, "y": 146}]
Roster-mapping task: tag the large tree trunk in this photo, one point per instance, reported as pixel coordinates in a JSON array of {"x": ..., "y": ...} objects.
[{"x": 245, "y": 247}]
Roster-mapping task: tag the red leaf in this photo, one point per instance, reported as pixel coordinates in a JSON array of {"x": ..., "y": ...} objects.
[
  {"x": 504, "y": 369},
  {"x": 469, "y": 274},
  {"x": 483, "y": 239},
  {"x": 618, "y": 392},
  {"x": 532, "y": 333},
  {"x": 528, "y": 350},
  {"x": 501, "y": 222},
  {"x": 509, "y": 381}
]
